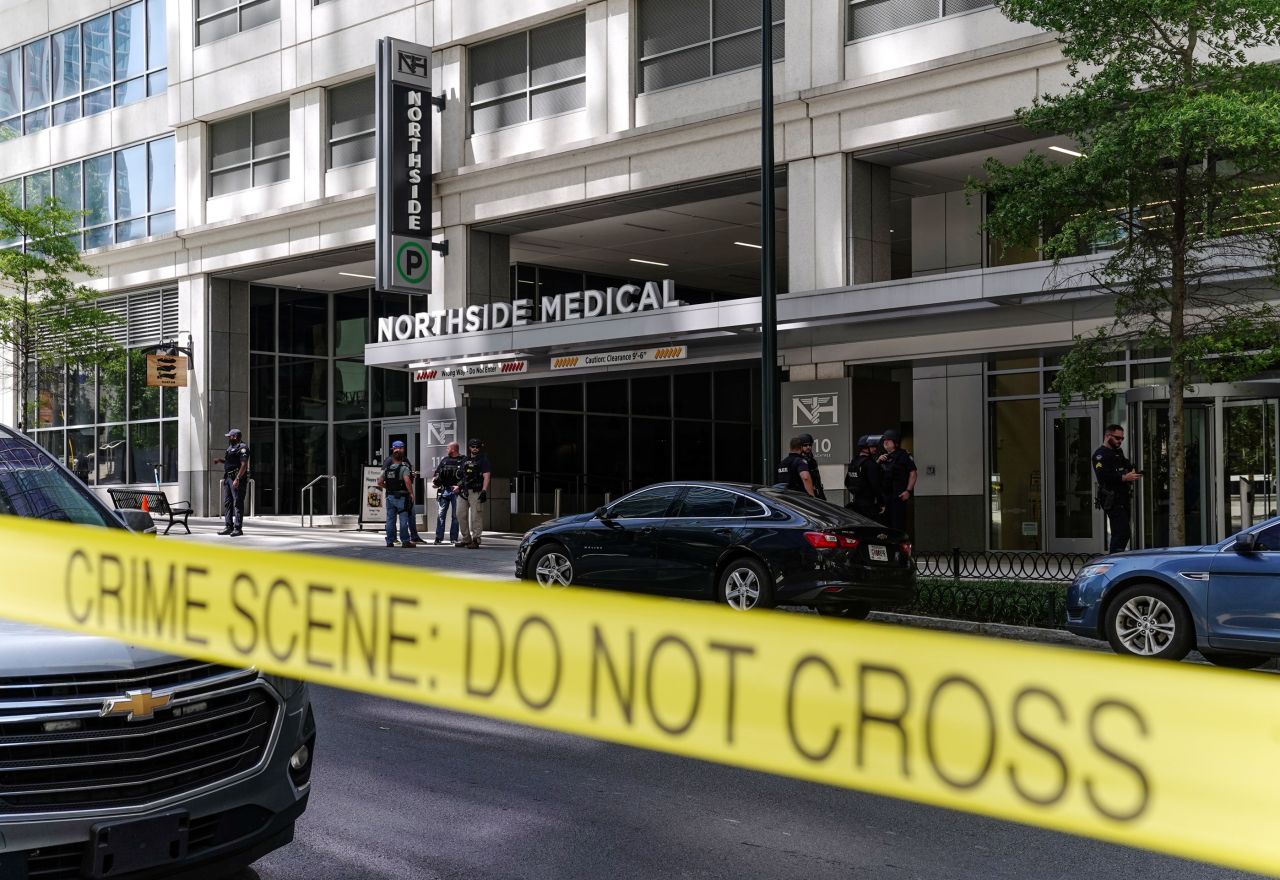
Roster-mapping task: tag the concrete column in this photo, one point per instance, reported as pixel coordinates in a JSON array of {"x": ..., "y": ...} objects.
[
  {"x": 194, "y": 455},
  {"x": 869, "y": 231},
  {"x": 189, "y": 167},
  {"x": 477, "y": 270},
  {"x": 620, "y": 65},
  {"x": 451, "y": 125},
  {"x": 826, "y": 35},
  {"x": 226, "y": 310},
  {"x": 311, "y": 139},
  {"x": 817, "y": 240},
  {"x": 598, "y": 68},
  {"x": 947, "y": 421},
  {"x": 299, "y": 156}
]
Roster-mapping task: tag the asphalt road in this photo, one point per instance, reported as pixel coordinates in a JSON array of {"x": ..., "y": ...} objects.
[{"x": 406, "y": 792}]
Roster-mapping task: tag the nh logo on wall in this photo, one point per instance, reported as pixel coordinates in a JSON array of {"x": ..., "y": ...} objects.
[
  {"x": 442, "y": 433},
  {"x": 814, "y": 410}
]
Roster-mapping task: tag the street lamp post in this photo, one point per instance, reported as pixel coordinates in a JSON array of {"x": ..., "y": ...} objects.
[{"x": 769, "y": 425}]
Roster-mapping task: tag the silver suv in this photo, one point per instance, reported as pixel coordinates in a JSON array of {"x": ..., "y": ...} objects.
[{"x": 118, "y": 761}]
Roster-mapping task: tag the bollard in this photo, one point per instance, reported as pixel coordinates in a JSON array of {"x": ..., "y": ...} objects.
[{"x": 555, "y": 505}]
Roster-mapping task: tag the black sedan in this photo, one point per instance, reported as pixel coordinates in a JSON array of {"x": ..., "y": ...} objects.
[{"x": 745, "y": 546}]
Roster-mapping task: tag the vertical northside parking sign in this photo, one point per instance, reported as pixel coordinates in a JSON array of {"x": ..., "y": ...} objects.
[{"x": 404, "y": 166}]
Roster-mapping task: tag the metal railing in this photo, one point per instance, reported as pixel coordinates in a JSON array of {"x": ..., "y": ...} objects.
[
  {"x": 1001, "y": 565},
  {"x": 306, "y": 501}
]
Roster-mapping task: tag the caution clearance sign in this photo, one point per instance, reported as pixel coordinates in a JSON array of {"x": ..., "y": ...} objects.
[{"x": 1170, "y": 757}]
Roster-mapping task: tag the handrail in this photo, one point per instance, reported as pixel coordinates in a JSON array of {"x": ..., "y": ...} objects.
[{"x": 306, "y": 508}]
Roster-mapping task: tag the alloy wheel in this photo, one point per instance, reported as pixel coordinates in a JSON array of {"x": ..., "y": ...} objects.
[
  {"x": 742, "y": 589},
  {"x": 1145, "y": 625},
  {"x": 554, "y": 571}
]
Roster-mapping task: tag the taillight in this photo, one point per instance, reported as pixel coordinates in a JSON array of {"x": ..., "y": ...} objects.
[
  {"x": 829, "y": 541},
  {"x": 906, "y": 548}
]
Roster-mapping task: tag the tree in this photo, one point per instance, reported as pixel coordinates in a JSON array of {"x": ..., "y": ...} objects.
[
  {"x": 48, "y": 319},
  {"x": 1178, "y": 129}
]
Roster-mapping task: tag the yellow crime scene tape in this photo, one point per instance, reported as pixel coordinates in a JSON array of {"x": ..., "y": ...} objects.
[{"x": 1175, "y": 758}]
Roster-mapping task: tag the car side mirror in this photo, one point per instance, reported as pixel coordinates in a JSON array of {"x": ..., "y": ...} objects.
[
  {"x": 139, "y": 521},
  {"x": 601, "y": 513},
  {"x": 1246, "y": 542}
]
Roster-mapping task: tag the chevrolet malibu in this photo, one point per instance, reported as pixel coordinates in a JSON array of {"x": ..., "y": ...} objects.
[
  {"x": 118, "y": 761},
  {"x": 743, "y": 546},
  {"x": 1222, "y": 599}
]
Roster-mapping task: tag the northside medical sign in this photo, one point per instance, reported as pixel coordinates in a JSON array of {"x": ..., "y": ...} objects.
[{"x": 403, "y": 88}]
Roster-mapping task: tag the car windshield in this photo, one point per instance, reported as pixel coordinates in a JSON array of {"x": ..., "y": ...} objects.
[
  {"x": 817, "y": 508},
  {"x": 32, "y": 485}
]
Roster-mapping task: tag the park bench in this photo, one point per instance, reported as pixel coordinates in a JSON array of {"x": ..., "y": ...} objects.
[{"x": 156, "y": 503}]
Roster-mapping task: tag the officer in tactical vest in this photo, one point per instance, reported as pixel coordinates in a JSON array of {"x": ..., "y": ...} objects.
[
  {"x": 862, "y": 479},
  {"x": 1115, "y": 476},
  {"x": 473, "y": 492},
  {"x": 898, "y": 478},
  {"x": 793, "y": 471},
  {"x": 814, "y": 472},
  {"x": 446, "y": 478},
  {"x": 235, "y": 483}
]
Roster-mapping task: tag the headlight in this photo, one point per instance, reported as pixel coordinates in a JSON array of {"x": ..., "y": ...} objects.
[
  {"x": 286, "y": 687},
  {"x": 1094, "y": 570}
]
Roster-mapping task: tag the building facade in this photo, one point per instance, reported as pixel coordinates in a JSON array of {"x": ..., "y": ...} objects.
[{"x": 596, "y": 172}]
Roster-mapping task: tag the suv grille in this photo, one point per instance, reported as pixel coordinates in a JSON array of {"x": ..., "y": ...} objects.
[{"x": 58, "y": 754}]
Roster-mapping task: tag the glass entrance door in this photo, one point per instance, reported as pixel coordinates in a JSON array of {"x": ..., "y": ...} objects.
[
  {"x": 1250, "y": 448},
  {"x": 1072, "y": 522},
  {"x": 409, "y": 432},
  {"x": 1151, "y": 455}
]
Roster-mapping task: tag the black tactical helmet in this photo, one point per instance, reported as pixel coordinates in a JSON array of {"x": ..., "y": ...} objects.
[
  {"x": 892, "y": 434},
  {"x": 476, "y": 442},
  {"x": 863, "y": 443},
  {"x": 806, "y": 439}
]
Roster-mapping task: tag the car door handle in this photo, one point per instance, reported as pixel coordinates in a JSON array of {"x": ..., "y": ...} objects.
[
  {"x": 723, "y": 531},
  {"x": 648, "y": 530}
]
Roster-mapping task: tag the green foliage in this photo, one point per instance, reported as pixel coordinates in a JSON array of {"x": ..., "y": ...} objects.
[
  {"x": 47, "y": 317},
  {"x": 1178, "y": 187},
  {"x": 1017, "y": 603}
]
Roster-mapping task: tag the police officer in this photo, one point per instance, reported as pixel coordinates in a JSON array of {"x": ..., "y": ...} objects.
[
  {"x": 1115, "y": 476},
  {"x": 862, "y": 479},
  {"x": 814, "y": 472},
  {"x": 793, "y": 471},
  {"x": 235, "y": 483},
  {"x": 473, "y": 491},
  {"x": 445, "y": 479},
  {"x": 897, "y": 478}
]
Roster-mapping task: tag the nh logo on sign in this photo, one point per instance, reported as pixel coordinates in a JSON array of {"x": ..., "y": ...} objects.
[
  {"x": 812, "y": 410},
  {"x": 415, "y": 65},
  {"x": 441, "y": 433}
]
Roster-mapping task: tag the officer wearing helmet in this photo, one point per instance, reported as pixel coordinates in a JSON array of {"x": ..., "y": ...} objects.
[
  {"x": 235, "y": 483},
  {"x": 473, "y": 493},
  {"x": 862, "y": 479},
  {"x": 898, "y": 478}
]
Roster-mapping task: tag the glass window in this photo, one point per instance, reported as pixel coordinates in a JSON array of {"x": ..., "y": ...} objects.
[
  {"x": 304, "y": 322},
  {"x": 160, "y": 163},
  {"x": 350, "y": 390},
  {"x": 645, "y": 503},
  {"x": 733, "y": 390},
  {"x": 390, "y": 392},
  {"x": 216, "y": 19},
  {"x": 530, "y": 75},
  {"x": 36, "y": 74},
  {"x": 131, "y": 182},
  {"x": 693, "y": 396},
  {"x": 682, "y": 42},
  {"x": 262, "y": 318},
  {"x": 1015, "y": 493},
  {"x": 307, "y": 449},
  {"x": 98, "y": 63},
  {"x": 157, "y": 37},
  {"x": 249, "y": 150},
  {"x": 350, "y": 324},
  {"x": 609, "y": 396},
  {"x": 112, "y": 380},
  {"x": 10, "y": 83},
  {"x": 351, "y": 123},
  {"x": 566, "y": 396},
  {"x": 262, "y": 386},
  {"x": 1269, "y": 538},
  {"x": 651, "y": 442},
  {"x": 80, "y": 395},
  {"x": 304, "y": 389},
  {"x": 744, "y": 506},
  {"x": 705, "y": 502},
  {"x": 693, "y": 450},
  {"x": 31, "y": 485},
  {"x": 651, "y": 395},
  {"x": 144, "y": 400},
  {"x": 130, "y": 41}
]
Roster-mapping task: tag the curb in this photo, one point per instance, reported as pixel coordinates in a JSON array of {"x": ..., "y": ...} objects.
[{"x": 992, "y": 630}]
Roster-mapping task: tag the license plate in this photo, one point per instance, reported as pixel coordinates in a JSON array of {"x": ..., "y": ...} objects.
[
  {"x": 124, "y": 847},
  {"x": 879, "y": 553}
]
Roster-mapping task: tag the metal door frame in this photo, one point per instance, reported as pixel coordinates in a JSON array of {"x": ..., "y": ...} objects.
[
  {"x": 1093, "y": 412},
  {"x": 1220, "y": 407},
  {"x": 411, "y": 427}
]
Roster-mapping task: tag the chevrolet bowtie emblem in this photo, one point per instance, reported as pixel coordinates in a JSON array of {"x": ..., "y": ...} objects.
[
  {"x": 138, "y": 705},
  {"x": 882, "y": 537}
]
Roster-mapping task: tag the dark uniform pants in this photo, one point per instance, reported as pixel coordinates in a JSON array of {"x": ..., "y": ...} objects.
[
  {"x": 895, "y": 513},
  {"x": 1118, "y": 519},
  {"x": 233, "y": 501}
]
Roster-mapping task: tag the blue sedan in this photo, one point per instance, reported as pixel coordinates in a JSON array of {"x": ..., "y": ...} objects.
[{"x": 1222, "y": 599}]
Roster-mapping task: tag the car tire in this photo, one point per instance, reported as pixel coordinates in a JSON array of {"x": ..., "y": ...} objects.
[
  {"x": 1149, "y": 620},
  {"x": 848, "y": 612},
  {"x": 745, "y": 585},
  {"x": 551, "y": 567},
  {"x": 1235, "y": 660}
]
